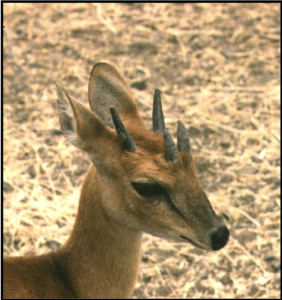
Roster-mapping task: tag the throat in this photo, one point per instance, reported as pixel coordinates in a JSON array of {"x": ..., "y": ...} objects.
[{"x": 102, "y": 255}]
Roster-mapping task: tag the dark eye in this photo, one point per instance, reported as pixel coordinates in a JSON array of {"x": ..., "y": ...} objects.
[{"x": 149, "y": 190}]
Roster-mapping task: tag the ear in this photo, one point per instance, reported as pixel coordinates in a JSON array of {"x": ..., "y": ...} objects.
[
  {"x": 107, "y": 88},
  {"x": 80, "y": 126}
]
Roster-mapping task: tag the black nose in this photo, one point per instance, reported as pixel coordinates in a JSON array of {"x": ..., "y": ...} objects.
[{"x": 219, "y": 238}]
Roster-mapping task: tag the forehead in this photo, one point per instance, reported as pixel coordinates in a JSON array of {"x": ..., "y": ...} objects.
[{"x": 148, "y": 162}]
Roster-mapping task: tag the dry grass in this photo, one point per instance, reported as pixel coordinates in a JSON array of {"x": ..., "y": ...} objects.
[{"x": 218, "y": 66}]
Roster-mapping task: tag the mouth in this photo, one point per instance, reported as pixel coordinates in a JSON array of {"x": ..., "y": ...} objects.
[{"x": 191, "y": 242}]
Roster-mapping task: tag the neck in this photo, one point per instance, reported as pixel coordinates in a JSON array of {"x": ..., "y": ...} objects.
[{"x": 102, "y": 255}]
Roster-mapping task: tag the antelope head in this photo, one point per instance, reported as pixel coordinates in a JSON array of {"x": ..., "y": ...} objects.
[{"x": 146, "y": 181}]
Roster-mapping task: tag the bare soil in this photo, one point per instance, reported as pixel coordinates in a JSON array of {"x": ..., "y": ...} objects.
[{"x": 218, "y": 67}]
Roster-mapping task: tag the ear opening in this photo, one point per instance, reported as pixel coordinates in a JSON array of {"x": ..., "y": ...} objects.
[
  {"x": 108, "y": 88},
  {"x": 66, "y": 115},
  {"x": 79, "y": 125}
]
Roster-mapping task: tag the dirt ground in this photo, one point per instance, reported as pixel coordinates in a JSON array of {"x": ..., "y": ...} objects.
[{"x": 218, "y": 67}]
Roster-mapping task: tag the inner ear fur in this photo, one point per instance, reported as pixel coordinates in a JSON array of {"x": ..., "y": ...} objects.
[
  {"x": 80, "y": 126},
  {"x": 108, "y": 88}
]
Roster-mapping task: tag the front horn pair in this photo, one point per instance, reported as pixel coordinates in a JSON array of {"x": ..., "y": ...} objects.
[
  {"x": 170, "y": 152},
  {"x": 183, "y": 142}
]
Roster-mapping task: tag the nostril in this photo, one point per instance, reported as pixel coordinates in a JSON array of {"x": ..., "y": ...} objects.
[{"x": 220, "y": 238}]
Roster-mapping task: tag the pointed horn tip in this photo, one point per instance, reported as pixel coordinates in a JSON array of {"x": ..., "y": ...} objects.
[
  {"x": 180, "y": 126},
  {"x": 114, "y": 113},
  {"x": 170, "y": 152},
  {"x": 124, "y": 135},
  {"x": 116, "y": 118},
  {"x": 157, "y": 92},
  {"x": 167, "y": 136},
  {"x": 157, "y": 96},
  {"x": 166, "y": 133},
  {"x": 183, "y": 141},
  {"x": 158, "y": 118}
]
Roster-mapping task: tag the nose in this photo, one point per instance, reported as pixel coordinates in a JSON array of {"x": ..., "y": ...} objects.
[{"x": 219, "y": 238}]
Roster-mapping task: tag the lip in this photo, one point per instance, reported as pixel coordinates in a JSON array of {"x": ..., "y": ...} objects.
[{"x": 191, "y": 242}]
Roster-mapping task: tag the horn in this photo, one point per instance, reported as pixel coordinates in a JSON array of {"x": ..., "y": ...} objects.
[
  {"x": 183, "y": 142},
  {"x": 126, "y": 139},
  {"x": 170, "y": 152},
  {"x": 158, "y": 117}
]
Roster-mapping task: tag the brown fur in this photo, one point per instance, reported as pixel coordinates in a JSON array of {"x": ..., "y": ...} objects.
[{"x": 102, "y": 255}]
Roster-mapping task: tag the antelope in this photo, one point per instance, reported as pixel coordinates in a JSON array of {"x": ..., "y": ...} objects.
[{"x": 139, "y": 181}]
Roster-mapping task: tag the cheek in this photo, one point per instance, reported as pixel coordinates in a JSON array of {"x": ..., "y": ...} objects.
[
  {"x": 142, "y": 210},
  {"x": 152, "y": 214},
  {"x": 137, "y": 206}
]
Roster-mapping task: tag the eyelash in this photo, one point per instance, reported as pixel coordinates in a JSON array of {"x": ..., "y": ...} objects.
[{"x": 149, "y": 190}]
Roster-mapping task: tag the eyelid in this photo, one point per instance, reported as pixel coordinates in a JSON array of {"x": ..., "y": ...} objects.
[
  {"x": 151, "y": 180},
  {"x": 145, "y": 188},
  {"x": 151, "y": 183}
]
